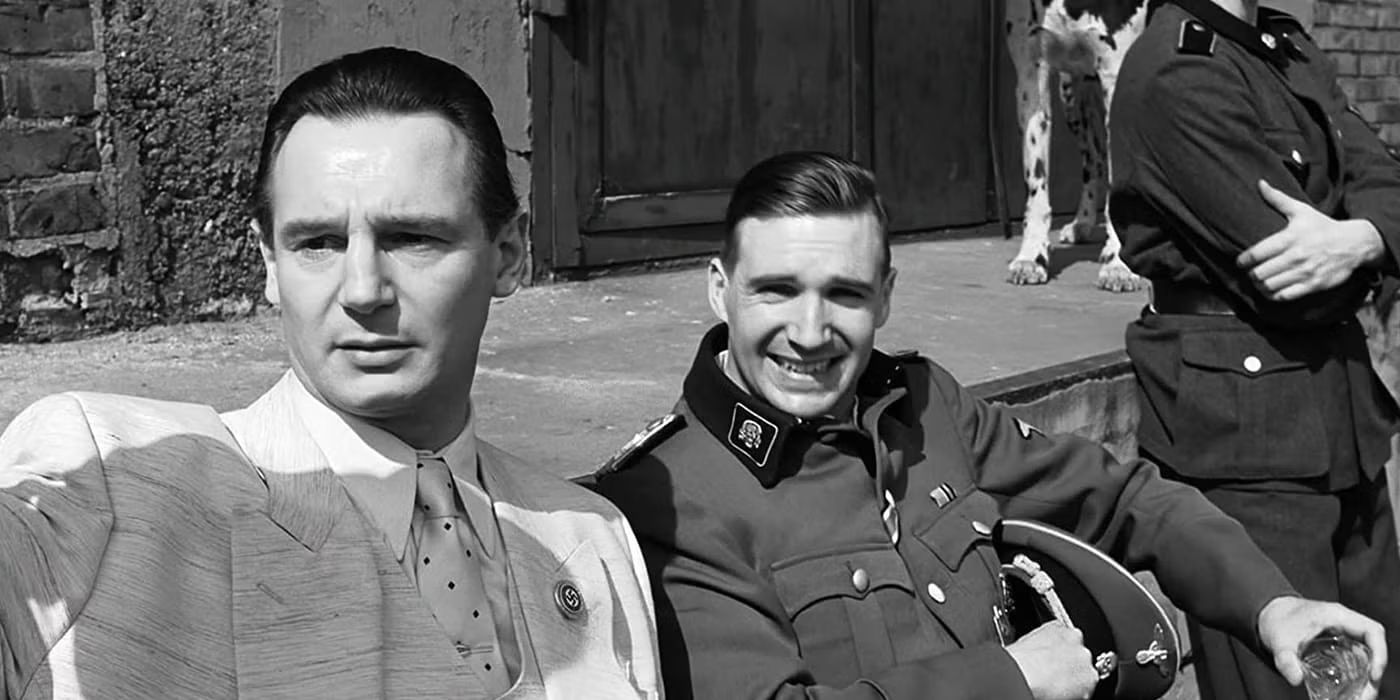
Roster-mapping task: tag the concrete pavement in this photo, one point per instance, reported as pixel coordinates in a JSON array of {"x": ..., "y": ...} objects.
[{"x": 568, "y": 372}]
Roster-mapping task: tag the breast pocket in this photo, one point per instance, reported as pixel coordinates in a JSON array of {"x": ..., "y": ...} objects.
[
  {"x": 1247, "y": 409},
  {"x": 847, "y": 608},
  {"x": 964, "y": 589}
]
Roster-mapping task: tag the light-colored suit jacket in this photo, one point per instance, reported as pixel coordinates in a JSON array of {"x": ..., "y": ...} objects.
[{"x": 143, "y": 554}]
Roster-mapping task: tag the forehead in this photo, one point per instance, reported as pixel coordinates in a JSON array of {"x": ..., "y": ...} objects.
[
  {"x": 847, "y": 244},
  {"x": 389, "y": 161}
]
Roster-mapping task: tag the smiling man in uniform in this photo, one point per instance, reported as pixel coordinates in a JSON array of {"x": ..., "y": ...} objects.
[{"x": 816, "y": 514}]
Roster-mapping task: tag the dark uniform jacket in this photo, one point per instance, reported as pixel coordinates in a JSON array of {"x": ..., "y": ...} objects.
[
  {"x": 1206, "y": 106},
  {"x": 775, "y": 576}
]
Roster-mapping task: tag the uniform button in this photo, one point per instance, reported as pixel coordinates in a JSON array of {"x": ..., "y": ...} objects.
[
  {"x": 860, "y": 580},
  {"x": 981, "y": 528},
  {"x": 1252, "y": 364},
  {"x": 1296, "y": 156},
  {"x": 1269, "y": 40},
  {"x": 936, "y": 593}
]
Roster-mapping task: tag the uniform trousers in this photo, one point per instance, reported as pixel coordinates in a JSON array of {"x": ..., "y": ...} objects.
[{"x": 1338, "y": 546}]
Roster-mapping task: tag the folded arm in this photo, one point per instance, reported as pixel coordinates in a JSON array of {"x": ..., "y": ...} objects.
[{"x": 55, "y": 517}]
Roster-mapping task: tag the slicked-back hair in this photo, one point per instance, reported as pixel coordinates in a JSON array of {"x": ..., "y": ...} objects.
[
  {"x": 803, "y": 183},
  {"x": 391, "y": 81}
]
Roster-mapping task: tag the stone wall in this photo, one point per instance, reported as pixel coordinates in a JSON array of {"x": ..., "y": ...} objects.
[
  {"x": 188, "y": 87},
  {"x": 1363, "y": 37},
  {"x": 126, "y": 140}
]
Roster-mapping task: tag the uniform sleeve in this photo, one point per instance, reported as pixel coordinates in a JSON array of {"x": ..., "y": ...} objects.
[
  {"x": 723, "y": 632},
  {"x": 1194, "y": 148},
  {"x": 54, "y": 520},
  {"x": 1204, "y": 560},
  {"x": 1371, "y": 177}
]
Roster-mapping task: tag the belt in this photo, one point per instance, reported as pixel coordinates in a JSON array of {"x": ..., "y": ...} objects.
[{"x": 1193, "y": 299}]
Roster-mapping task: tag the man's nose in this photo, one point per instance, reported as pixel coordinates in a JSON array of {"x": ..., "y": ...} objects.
[
  {"x": 366, "y": 286},
  {"x": 811, "y": 327}
]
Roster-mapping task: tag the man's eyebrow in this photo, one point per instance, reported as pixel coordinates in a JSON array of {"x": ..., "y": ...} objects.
[
  {"x": 311, "y": 228},
  {"x": 840, "y": 281},
  {"x": 440, "y": 225},
  {"x": 774, "y": 278},
  {"x": 853, "y": 283}
]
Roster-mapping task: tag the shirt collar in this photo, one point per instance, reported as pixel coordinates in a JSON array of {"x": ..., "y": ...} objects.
[
  {"x": 380, "y": 470},
  {"x": 1262, "y": 38},
  {"x": 755, "y": 431}
]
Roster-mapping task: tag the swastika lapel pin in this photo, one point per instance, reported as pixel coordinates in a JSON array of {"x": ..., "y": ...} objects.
[{"x": 569, "y": 600}]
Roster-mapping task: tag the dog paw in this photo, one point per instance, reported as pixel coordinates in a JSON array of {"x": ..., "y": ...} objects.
[
  {"x": 1024, "y": 272},
  {"x": 1114, "y": 276}
]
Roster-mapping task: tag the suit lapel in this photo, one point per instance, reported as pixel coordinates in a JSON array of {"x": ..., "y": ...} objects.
[
  {"x": 321, "y": 607},
  {"x": 561, "y": 591}
]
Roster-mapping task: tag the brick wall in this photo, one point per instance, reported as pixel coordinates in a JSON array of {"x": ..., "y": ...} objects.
[
  {"x": 1363, "y": 37},
  {"x": 57, "y": 242},
  {"x": 128, "y": 131},
  {"x": 128, "y": 136}
]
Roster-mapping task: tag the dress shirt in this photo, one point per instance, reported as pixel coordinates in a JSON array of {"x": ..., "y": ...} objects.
[{"x": 379, "y": 471}]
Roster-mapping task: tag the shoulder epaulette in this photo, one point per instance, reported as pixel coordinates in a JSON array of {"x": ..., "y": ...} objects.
[
  {"x": 1195, "y": 39},
  {"x": 905, "y": 355},
  {"x": 641, "y": 443}
]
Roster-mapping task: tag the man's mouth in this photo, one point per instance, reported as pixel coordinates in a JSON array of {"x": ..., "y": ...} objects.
[
  {"x": 807, "y": 368},
  {"x": 372, "y": 345}
]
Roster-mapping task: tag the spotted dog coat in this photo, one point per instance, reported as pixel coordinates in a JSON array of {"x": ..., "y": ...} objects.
[{"x": 1084, "y": 41}]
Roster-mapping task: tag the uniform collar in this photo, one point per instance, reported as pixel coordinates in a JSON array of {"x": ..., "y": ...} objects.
[
  {"x": 1258, "y": 39},
  {"x": 757, "y": 433}
]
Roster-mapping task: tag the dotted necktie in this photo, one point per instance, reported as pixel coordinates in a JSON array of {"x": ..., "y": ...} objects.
[{"x": 449, "y": 574}]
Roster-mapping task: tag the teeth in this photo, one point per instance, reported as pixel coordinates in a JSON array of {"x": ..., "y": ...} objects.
[{"x": 803, "y": 367}]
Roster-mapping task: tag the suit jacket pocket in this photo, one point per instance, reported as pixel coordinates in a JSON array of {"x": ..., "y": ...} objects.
[{"x": 1246, "y": 408}]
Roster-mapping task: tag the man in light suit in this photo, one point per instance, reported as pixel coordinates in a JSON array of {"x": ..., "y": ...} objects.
[{"x": 305, "y": 545}]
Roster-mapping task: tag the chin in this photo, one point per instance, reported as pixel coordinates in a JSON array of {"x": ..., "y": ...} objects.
[
  {"x": 370, "y": 396},
  {"x": 804, "y": 406}
]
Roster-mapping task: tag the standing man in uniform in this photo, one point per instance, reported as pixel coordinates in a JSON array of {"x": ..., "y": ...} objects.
[
  {"x": 816, "y": 514},
  {"x": 346, "y": 535},
  {"x": 1263, "y": 209}
]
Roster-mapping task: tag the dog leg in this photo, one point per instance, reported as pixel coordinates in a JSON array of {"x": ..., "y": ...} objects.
[
  {"x": 1083, "y": 115},
  {"x": 1114, "y": 274},
  {"x": 1032, "y": 261}
]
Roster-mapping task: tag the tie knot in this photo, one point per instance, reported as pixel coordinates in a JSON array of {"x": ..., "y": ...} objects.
[{"x": 436, "y": 492}]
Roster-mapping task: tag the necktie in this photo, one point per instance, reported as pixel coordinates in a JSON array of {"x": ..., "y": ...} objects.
[{"x": 449, "y": 574}]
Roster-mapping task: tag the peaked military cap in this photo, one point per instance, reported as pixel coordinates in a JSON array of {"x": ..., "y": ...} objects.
[{"x": 1050, "y": 574}]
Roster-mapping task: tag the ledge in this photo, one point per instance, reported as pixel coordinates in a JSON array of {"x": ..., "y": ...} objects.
[{"x": 1037, "y": 384}]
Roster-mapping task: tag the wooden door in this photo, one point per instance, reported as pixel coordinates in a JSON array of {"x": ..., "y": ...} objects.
[
  {"x": 670, "y": 101},
  {"x": 654, "y": 108},
  {"x": 931, "y": 76}
]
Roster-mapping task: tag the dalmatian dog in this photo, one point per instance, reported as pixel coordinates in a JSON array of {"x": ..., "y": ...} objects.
[{"x": 1084, "y": 41}]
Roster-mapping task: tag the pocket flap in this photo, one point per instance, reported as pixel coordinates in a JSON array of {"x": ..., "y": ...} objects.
[
  {"x": 1245, "y": 354},
  {"x": 801, "y": 583},
  {"x": 967, "y": 522}
]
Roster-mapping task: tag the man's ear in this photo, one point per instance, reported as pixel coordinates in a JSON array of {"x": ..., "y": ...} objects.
[
  {"x": 886, "y": 298},
  {"x": 270, "y": 291},
  {"x": 717, "y": 286},
  {"x": 511, "y": 255}
]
